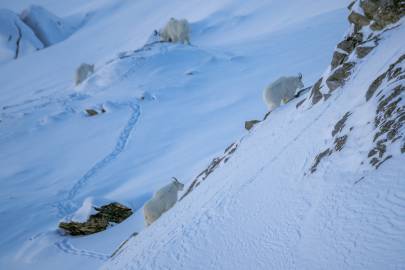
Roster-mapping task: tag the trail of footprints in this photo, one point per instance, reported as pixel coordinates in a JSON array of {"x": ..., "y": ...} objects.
[{"x": 66, "y": 247}]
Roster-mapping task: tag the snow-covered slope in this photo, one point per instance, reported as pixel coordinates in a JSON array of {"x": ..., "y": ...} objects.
[
  {"x": 170, "y": 109},
  {"x": 49, "y": 28},
  {"x": 318, "y": 185},
  {"x": 16, "y": 38}
]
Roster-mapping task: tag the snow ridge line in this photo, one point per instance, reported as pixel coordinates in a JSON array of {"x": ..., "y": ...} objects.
[
  {"x": 66, "y": 247},
  {"x": 67, "y": 206}
]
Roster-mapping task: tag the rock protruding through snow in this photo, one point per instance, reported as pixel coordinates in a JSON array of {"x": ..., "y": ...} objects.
[
  {"x": 107, "y": 215},
  {"x": 368, "y": 18},
  {"x": 389, "y": 121}
]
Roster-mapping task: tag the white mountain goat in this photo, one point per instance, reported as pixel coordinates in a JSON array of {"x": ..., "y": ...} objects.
[
  {"x": 176, "y": 31},
  {"x": 281, "y": 91},
  {"x": 83, "y": 72},
  {"x": 163, "y": 200}
]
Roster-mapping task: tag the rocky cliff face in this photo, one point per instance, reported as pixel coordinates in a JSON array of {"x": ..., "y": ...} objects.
[{"x": 368, "y": 18}]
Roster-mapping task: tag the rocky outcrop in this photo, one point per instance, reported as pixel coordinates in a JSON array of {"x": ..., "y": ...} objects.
[
  {"x": 340, "y": 136},
  {"x": 339, "y": 76},
  {"x": 381, "y": 13},
  {"x": 389, "y": 121},
  {"x": 215, "y": 163},
  {"x": 106, "y": 216},
  {"x": 316, "y": 94},
  {"x": 362, "y": 52},
  {"x": 373, "y": 14}
]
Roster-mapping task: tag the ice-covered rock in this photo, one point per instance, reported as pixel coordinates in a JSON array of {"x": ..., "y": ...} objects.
[
  {"x": 49, "y": 28},
  {"x": 16, "y": 38}
]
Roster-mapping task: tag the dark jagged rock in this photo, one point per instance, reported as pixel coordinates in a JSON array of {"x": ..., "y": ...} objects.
[
  {"x": 318, "y": 159},
  {"x": 91, "y": 112},
  {"x": 340, "y": 142},
  {"x": 362, "y": 52},
  {"x": 382, "y": 12},
  {"x": 250, "y": 124},
  {"x": 340, "y": 124},
  {"x": 338, "y": 59},
  {"x": 350, "y": 42},
  {"x": 316, "y": 92},
  {"x": 300, "y": 103},
  {"x": 338, "y": 77},
  {"x": 215, "y": 163},
  {"x": 123, "y": 244},
  {"x": 358, "y": 19},
  {"x": 107, "y": 214},
  {"x": 374, "y": 86},
  {"x": 389, "y": 121}
]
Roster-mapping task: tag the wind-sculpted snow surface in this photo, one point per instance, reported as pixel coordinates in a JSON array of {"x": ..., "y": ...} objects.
[
  {"x": 266, "y": 209},
  {"x": 62, "y": 144}
]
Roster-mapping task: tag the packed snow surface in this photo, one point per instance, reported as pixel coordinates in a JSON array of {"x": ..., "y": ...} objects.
[{"x": 171, "y": 108}]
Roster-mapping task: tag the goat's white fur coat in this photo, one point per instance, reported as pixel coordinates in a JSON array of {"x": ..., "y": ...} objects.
[
  {"x": 281, "y": 90},
  {"x": 176, "y": 31},
  {"x": 83, "y": 71},
  {"x": 163, "y": 200}
]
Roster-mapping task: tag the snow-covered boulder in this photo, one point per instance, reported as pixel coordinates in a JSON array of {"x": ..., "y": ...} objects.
[
  {"x": 16, "y": 38},
  {"x": 49, "y": 28}
]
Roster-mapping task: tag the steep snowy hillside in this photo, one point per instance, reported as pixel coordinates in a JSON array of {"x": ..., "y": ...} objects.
[
  {"x": 318, "y": 185},
  {"x": 163, "y": 110}
]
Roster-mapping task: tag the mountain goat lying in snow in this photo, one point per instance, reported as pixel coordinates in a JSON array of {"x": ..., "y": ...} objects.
[
  {"x": 176, "y": 31},
  {"x": 83, "y": 72},
  {"x": 163, "y": 200},
  {"x": 282, "y": 90}
]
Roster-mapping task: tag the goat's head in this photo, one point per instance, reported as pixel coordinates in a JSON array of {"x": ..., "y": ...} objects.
[{"x": 179, "y": 185}]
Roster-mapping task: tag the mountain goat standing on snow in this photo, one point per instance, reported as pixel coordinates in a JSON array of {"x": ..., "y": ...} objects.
[
  {"x": 282, "y": 90},
  {"x": 83, "y": 71},
  {"x": 163, "y": 200},
  {"x": 176, "y": 31}
]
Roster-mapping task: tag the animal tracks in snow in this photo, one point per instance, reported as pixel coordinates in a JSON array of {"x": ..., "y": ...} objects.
[
  {"x": 66, "y": 247},
  {"x": 67, "y": 206}
]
